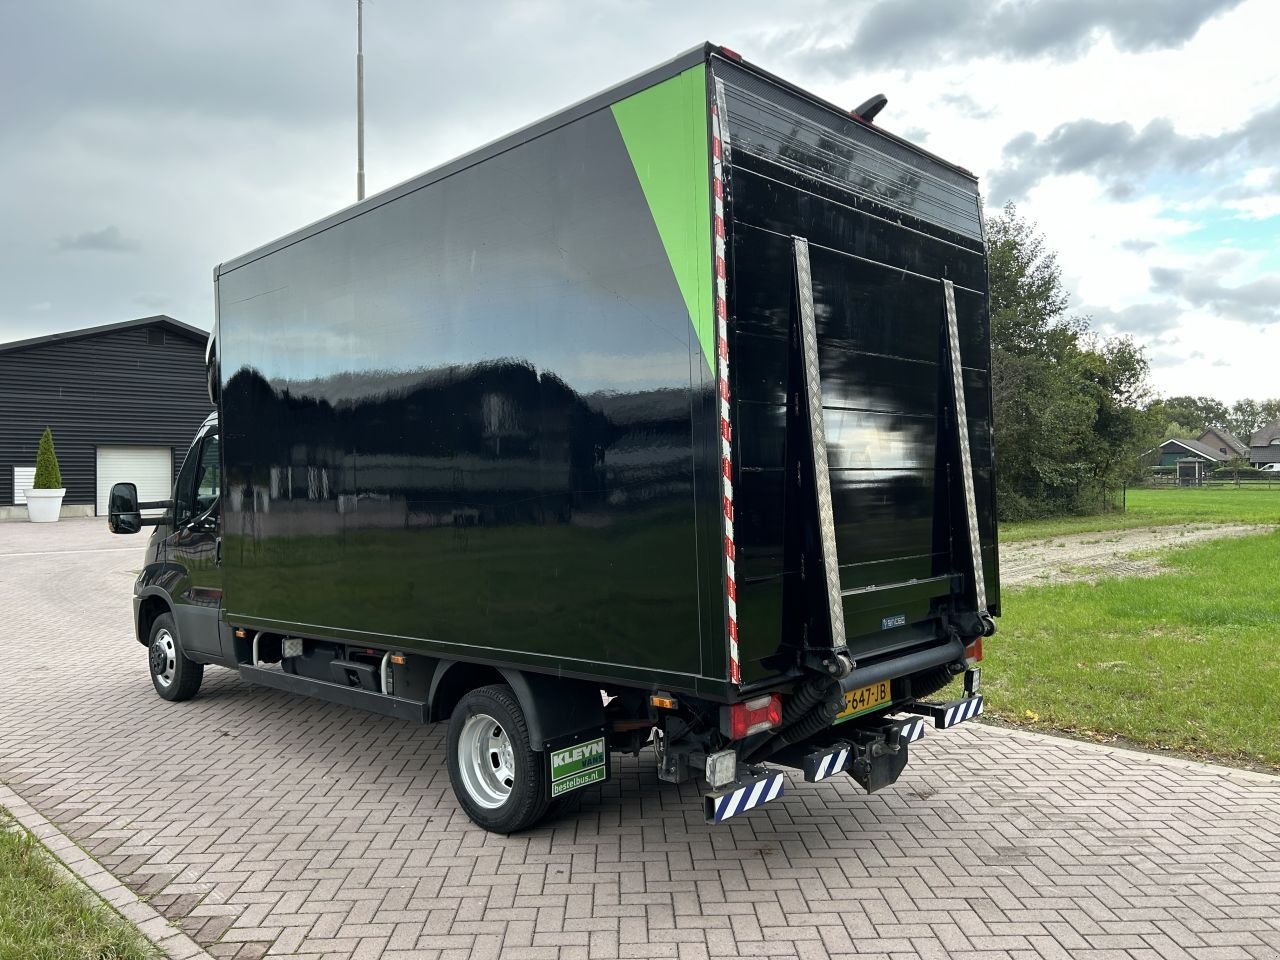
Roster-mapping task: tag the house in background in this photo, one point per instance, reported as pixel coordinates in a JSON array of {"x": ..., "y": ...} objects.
[
  {"x": 1225, "y": 443},
  {"x": 123, "y": 402},
  {"x": 1264, "y": 445},
  {"x": 1172, "y": 451}
]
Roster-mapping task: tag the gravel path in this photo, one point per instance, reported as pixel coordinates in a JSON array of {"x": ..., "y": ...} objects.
[{"x": 1110, "y": 553}]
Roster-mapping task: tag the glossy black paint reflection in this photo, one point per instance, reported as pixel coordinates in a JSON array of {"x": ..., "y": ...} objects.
[{"x": 464, "y": 421}]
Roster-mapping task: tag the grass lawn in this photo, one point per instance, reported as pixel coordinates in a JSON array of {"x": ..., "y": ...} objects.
[
  {"x": 1185, "y": 661},
  {"x": 1162, "y": 506},
  {"x": 45, "y": 916}
]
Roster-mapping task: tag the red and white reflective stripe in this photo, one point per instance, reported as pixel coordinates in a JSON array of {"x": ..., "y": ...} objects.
[{"x": 722, "y": 365}]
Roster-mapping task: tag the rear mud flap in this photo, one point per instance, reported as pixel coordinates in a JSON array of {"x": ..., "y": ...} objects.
[{"x": 749, "y": 791}]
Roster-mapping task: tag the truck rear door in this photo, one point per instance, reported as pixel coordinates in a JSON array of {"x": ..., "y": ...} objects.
[{"x": 852, "y": 237}]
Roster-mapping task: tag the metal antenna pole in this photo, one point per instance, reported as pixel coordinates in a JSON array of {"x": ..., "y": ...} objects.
[{"x": 359, "y": 100}]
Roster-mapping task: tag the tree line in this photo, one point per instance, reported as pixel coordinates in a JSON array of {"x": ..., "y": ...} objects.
[
  {"x": 1191, "y": 416},
  {"x": 1074, "y": 410}
]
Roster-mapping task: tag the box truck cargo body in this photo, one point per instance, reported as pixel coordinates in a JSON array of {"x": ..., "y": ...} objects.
[{"x": 665, "y": 420}]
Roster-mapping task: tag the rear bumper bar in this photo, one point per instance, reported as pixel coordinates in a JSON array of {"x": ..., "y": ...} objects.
[{"x": 950, "y": 652}]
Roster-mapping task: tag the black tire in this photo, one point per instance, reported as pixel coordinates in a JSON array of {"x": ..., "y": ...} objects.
[
  {"x": 500, "y": 784},
  {"x": 174, "y": 676}
]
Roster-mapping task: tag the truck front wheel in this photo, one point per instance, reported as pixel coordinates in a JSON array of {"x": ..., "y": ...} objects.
[
  {"x": 496, "y": 774},
  {"x": 172, "y": 674}
]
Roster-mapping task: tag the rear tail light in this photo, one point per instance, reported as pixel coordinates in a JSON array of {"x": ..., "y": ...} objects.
[
  {"x": 753, "y": 716},
  {"x": 973, "y": 652}
]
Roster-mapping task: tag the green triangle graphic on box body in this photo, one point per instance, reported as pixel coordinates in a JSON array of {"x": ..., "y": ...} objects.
[{"x": 665, "y": 130}]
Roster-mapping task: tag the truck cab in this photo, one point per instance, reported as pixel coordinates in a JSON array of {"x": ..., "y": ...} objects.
[{"x": 177, "y": 597}]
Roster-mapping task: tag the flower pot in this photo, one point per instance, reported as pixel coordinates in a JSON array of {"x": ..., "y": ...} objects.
[{"x": 44, "y": 506}]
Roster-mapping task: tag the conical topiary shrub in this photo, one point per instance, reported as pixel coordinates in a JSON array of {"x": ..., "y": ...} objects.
[{"x": 48, "y": 474}]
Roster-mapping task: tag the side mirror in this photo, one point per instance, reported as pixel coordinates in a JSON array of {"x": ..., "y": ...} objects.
[{"x": 123, "y": 515}]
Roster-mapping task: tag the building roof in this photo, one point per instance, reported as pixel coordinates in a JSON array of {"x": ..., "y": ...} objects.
[
  {"x": 159, "y": 320},
  {"x": 1265, "y": 436},
  {"x": 1197, "y": 448},
  {"x": 1234, "y": 443}
]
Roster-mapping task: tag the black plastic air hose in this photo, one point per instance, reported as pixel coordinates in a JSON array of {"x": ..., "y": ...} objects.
[{"x": 811, "y": 710}]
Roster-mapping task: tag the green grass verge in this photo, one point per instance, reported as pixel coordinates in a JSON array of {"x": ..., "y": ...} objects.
[
  {"x": 1183, "y": 661},
  {"x": 46, "y": 916},
  {"x": 1160, "y": 507}
]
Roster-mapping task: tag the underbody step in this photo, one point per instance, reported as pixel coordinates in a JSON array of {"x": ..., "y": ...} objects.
[{"x": 398, "y": 707}]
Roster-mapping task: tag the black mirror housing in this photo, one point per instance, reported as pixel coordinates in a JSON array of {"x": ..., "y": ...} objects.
[{"x": 123, "y": 515}]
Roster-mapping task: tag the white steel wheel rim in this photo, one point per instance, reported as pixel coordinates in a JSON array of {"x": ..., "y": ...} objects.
[
  {"x": 164, "y": 658},
  {"x": 486, "y": 761}
]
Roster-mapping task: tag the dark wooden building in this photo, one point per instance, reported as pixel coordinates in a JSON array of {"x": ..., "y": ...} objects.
[
  {"x": 1264, "y": 445},
  {"x": 123, "y": 402}
]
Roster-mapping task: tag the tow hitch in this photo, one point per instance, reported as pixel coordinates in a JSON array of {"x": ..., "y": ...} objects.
[
  {"x": 873, "y": 756},
  {"x": 880, "y": 753}
]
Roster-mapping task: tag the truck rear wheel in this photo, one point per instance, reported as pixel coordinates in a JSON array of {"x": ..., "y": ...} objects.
[
  {"x": 172, "y": 674},
  {"x": 496, "y": 774}
]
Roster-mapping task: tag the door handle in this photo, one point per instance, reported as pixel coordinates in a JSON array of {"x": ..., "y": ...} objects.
[{"x": 217, "y": 551}]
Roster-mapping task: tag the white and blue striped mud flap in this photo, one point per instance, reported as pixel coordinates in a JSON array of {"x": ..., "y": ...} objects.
[
  {"x": 735, "y": 799},
  {"x": 827, "y": 762},
  {"x": 950, "y": 713}
]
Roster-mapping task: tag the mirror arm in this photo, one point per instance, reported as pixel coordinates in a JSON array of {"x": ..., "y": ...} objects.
[
  {"x": 156, "y": 505},
  {"x": 157, "y": 521}
]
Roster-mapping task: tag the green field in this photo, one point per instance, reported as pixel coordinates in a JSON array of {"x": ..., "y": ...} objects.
[
  {"x": 46, "y": 916},
  {"x": 1182, "y": 661},
  {"x": 1162, "y": 506}
]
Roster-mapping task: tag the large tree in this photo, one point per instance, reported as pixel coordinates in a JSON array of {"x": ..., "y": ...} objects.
[
  {"x": 1248, "y": 416},
  {"x": 1197, "y": 413},
  {"x": 1071, "y": 410}
]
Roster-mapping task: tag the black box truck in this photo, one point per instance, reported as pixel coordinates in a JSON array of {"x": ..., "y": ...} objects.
[{"x": 663, "y": 422}]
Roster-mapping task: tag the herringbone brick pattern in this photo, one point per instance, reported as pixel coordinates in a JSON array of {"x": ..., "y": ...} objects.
[{"x": 268, "y": 824}]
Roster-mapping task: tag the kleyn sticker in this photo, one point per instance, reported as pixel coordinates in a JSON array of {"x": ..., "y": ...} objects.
[
  {"x": 888, "y": 623},
  {"x": 577, "y": 766}
]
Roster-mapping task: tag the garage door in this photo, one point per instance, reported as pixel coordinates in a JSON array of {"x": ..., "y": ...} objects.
[{"x": 151, "y": 468}]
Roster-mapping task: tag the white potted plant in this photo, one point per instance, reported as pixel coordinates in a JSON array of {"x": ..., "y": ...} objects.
[{"x": 44, "y": 499}]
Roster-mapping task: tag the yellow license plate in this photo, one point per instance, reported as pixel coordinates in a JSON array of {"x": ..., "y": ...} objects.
[{"x": 863, "y": 699}]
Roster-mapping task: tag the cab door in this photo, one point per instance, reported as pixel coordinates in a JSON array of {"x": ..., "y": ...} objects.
[{"x": 194, "y": 550}]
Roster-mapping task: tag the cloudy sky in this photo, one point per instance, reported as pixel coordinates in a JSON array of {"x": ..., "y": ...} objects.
[{"x": 141, "y": 143}]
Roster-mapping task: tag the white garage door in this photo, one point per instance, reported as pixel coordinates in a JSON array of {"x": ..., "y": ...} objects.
[
  {"x": 151, "y": 468},
  {"x": 23, "y": 478}
]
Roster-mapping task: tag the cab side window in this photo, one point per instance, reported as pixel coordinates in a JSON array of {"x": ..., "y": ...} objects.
[
  {"x": 184, "y": 489},
  {"x": 199, "y": 482},
  {"x": 208, "y": 476}
]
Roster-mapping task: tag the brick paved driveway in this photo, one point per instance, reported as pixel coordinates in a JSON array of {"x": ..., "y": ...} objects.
[{"x": 267, "y": 824}]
